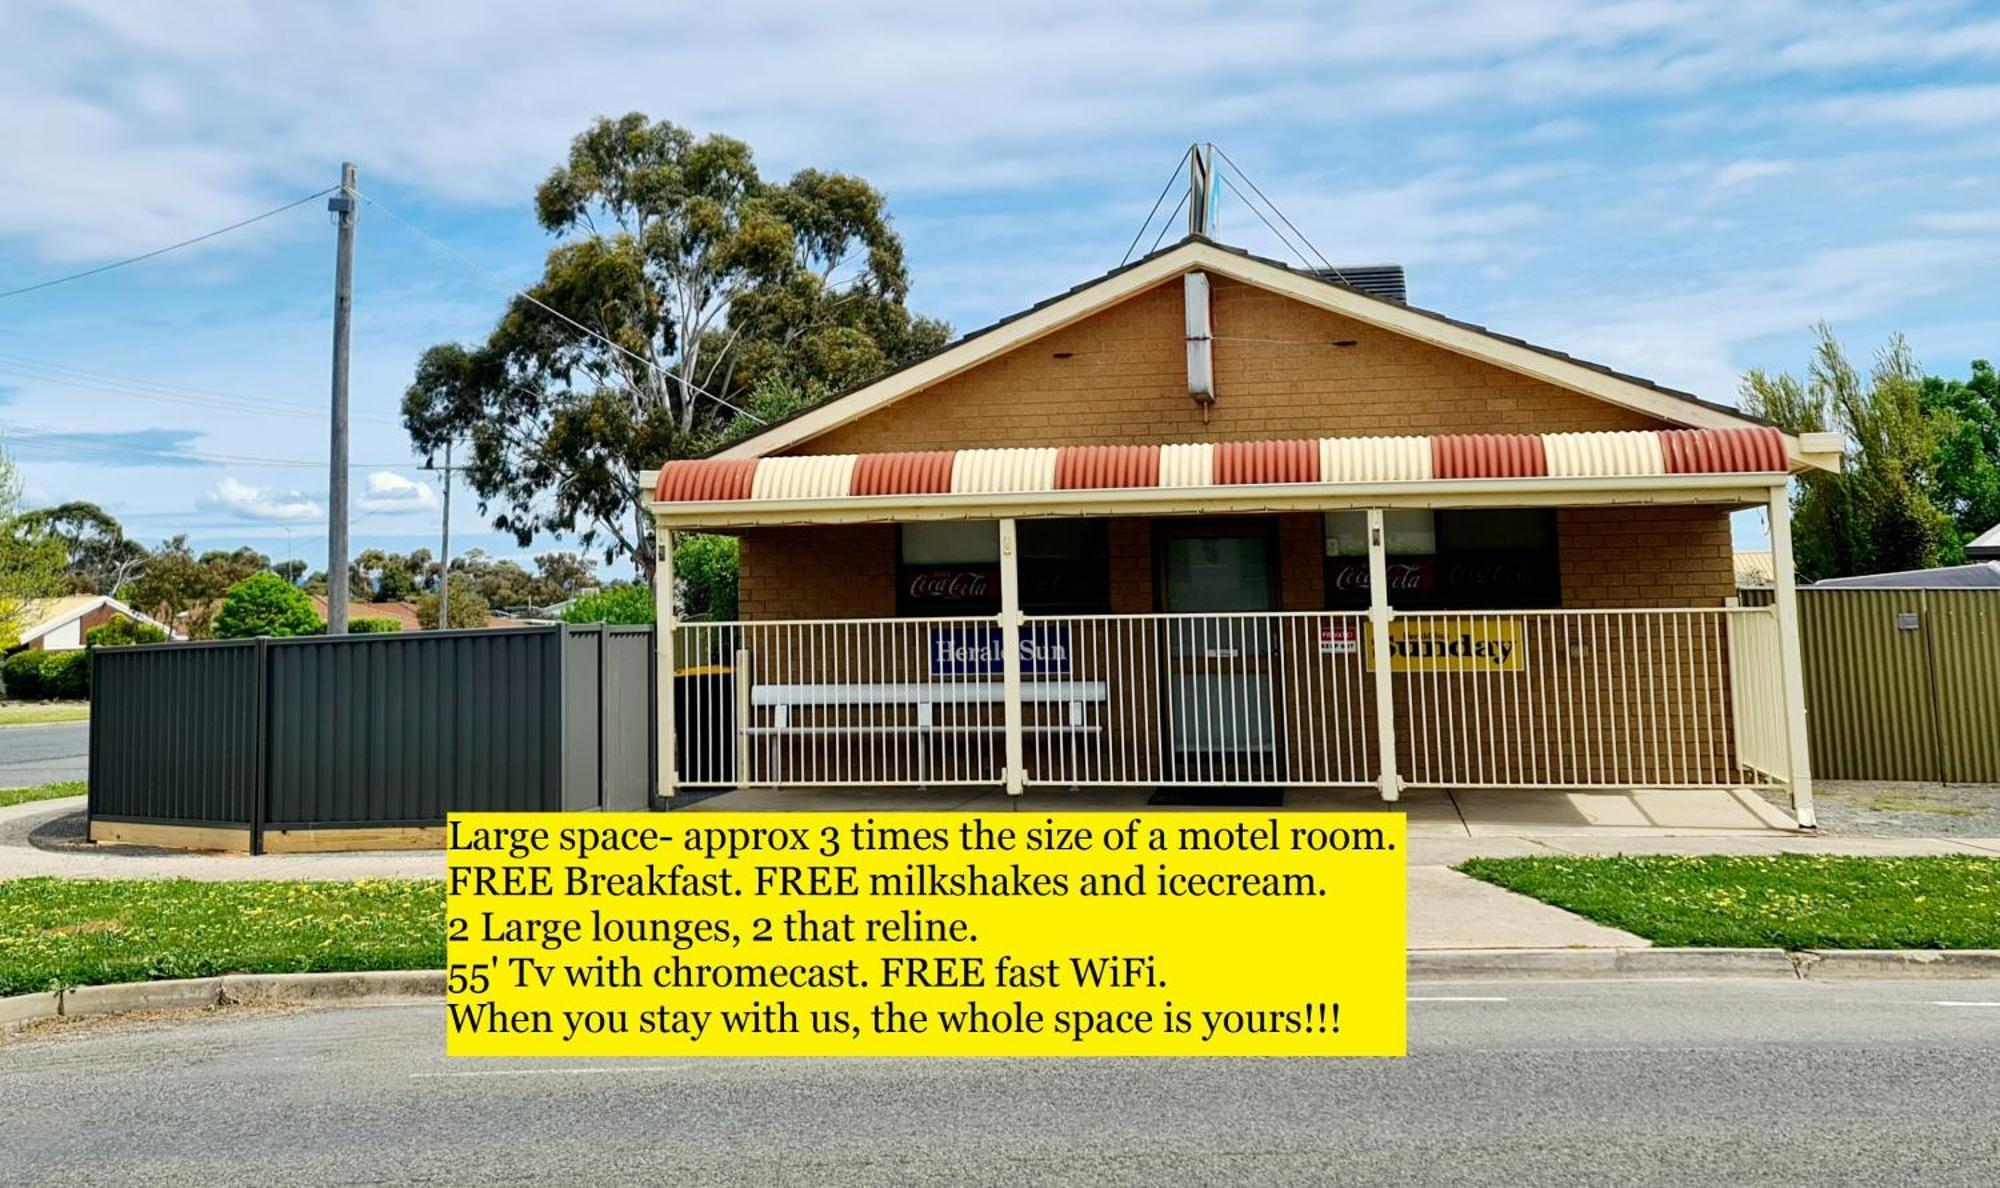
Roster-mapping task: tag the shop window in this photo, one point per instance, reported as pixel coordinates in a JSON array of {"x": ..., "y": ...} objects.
[
  {"x": 1459, "y": 559},
  {"x": 953, "y": 568}
]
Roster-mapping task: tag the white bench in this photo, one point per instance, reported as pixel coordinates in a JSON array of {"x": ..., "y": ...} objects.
[{"x": 782, "y": 700}]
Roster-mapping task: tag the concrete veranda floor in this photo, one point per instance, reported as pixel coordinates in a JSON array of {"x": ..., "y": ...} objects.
[{"x": 1433, "y": 812}]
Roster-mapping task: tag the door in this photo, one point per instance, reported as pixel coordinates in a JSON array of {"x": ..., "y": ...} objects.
[{"x": 1217, "y": 669}]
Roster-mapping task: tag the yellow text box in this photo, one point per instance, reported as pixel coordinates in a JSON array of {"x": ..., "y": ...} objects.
[
  {"x": 1452, "y": 645},
  {"x": 926, "y": 934}
]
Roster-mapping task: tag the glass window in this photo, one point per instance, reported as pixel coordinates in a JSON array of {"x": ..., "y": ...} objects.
[
  {"x": 948, "y": 542},
  {"x": 953, "y": 568},
  {"x": 1405, "y": 532},
  {"x": 1459, "y": 559}
]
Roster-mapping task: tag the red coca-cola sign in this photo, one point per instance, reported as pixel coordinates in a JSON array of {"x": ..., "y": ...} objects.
[
  {"x": 1406, "y": 576},
  {"x": 949, "y": 585}
]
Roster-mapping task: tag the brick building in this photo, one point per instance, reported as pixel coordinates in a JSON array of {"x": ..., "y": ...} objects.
[{"x": 1159, "y": 531}]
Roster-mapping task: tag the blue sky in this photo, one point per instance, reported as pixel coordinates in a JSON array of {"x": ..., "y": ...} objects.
[{"x": 1675, "y": 187}]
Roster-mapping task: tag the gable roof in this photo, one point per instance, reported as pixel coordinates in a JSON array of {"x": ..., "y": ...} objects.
[
  {"x": 42, "y": 616},
  {"x": 1198, "y": 253}
]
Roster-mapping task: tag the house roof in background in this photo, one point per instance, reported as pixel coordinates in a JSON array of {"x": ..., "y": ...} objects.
[
  {"x": 1196, "y": 252},
  {"x": 1983, "y": 576},
  {"x": 403, "y": 613},
  {"x": 1754, "y": 567},
  {"x": 1985, "y": 546},
  {"x": 46, "y": 614}
]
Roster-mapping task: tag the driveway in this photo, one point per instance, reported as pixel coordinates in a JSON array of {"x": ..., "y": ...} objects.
[
  {"x": 1522, "y": 1083},
  {"x": 31, "y": 755}
]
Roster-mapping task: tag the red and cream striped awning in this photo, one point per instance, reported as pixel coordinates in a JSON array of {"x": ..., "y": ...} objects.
[{"x": 1335, "y": 461}]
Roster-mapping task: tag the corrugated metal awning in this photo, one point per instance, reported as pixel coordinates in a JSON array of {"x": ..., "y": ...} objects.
[{"x": 1335, "y": 461}]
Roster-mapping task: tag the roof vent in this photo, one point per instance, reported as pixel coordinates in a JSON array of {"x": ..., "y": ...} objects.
[{"x": 1376, "y": 280}]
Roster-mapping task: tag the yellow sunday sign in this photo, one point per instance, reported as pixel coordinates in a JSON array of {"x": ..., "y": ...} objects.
[{"x": 1449, "y": 644}]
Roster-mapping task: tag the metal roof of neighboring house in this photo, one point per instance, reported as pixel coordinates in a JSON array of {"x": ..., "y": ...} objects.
[
  {"x": 1985, "y": 546},
  {"x": 1329, "y": 460},
  {"x": 1985, "y": 575},
  {"x": 1754, "y": 567},
  {"x": 1194, "y": 246}
]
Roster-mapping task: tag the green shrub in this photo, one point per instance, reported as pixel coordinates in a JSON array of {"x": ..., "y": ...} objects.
[
  {"x": 266, "y": 604},
  {"x": 372, "y": 626},
  {"x": 468, "y": 609},
  {"x": 612, "y": 604},
  {"x": 123, "y": 632},
  {"x": 48, "y": 676},
  {"x": 705, "y": 572}
]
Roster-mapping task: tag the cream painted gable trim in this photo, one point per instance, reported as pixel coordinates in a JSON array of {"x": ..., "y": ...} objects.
[{"x": 1385, "y": 315}]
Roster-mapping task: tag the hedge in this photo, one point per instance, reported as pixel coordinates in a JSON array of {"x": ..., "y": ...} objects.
[
  {"x": 372, "y": 626},
  {"x": 48, "y": 676}
]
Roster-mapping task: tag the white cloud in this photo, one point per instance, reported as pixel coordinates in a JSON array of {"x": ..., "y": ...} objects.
[
  {"x": 1934, "y": 108},
  {"x": 160, "y": 120},
  {"x": 1689, "y": 336},
  {"x": 1959, "y": 220},
  {"x": 1560, "y": 131},
  {"x": 389, "y": 492},
  {"x": 246, "y": 502}
]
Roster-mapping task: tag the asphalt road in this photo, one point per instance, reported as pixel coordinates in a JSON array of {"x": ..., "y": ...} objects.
[
  {"x": 1698, "y": 1082},
  {"x": 31, "y": 755}
]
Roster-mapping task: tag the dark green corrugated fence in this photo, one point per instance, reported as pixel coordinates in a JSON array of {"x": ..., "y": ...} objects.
[
  {"x": 368, "y": 731},
  {"x": 1902, "y": 684}
]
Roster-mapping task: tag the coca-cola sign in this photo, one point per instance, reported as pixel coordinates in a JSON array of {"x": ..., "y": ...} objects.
[
  {"x": 950, "y": 584},
  {"x": 1464, "y": 579},
  {"x": 1351, "y": 577}
]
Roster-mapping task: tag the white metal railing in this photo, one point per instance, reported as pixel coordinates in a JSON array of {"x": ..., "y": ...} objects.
[
  {"x": 1567, "y": 698},
  {"x": 1250, "y": 699},
  {"x": 1757, "y": 693},
  {"x": 1564, "y": 698},
  {"x": 836, "y": 702}
]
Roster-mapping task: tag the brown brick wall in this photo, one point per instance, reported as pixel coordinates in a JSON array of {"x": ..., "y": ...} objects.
[
  {"x": 833, "y": 572},
  {"x": 1120, "y": 376},
  {"x": 1645, "y": 556}
]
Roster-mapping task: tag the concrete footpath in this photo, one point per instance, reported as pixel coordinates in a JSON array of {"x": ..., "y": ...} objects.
[{"x": 1447, "y": 910}]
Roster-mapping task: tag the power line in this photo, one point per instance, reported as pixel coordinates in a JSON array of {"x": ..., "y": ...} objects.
[
  {"x": 530, "y": 298},
  {"x": 119, "y": 385},
  {"x": 1171, "y": 179},
  {"x": 74, "y": 443},
  {"x": 172, "y": 247},
  {"x": 1267, "y": 223},
  {"x": 1168, "y": 225},
  {"x": 1328, "y": 264}
]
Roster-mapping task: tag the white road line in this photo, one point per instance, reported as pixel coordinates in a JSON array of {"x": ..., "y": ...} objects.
[
  {"x": 542, "y": 1072},
  {"x": 1966, "y": 1004},
  {"x": 1455, "y": 998}
]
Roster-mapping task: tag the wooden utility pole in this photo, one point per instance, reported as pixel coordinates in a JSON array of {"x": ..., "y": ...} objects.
[{"x": 343, "y": 206}]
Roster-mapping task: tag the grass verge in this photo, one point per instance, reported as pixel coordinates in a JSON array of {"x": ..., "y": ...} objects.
[
  {"x": 42, "y": 792},
  {"x": 35, "y": 713},
  {"x": 83, "y": 932},
  {"x": 1790, "y": 901}
]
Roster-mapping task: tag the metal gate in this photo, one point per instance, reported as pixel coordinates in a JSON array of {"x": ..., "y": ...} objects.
[{"x": 1903, "y": 684}]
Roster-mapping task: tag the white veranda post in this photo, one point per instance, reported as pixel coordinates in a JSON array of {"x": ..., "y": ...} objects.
[
  {"x": 1792, "y": 678},
  {"x": 1010, "y": 654},
  {"x": 1378, "y": 629},
  {"x": 663, "y": 648}
]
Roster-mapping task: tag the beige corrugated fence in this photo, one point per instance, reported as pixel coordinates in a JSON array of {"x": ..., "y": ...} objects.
[{"x": 1902, "y": 684}]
